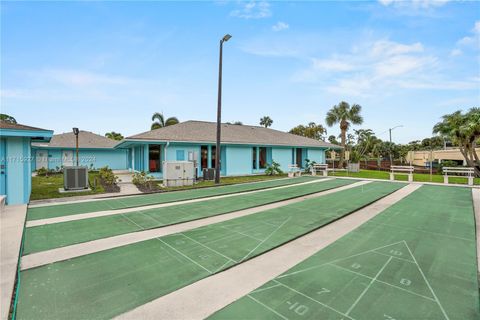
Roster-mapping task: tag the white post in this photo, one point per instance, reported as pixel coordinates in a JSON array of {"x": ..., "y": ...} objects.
[
  {"x": 133, "y": 159},
  {"x": 470, "y": 180},
  {"x": 445, "y": 179},
  {"x": 391, "y": 176},
  {"x": 410, "y": 177},
  {"x": 325, "y": 173}
]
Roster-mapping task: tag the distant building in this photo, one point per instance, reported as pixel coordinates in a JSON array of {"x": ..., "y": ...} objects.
[
  {"x": 16, "y": 160},
  {"x": 95, "y": 151},
  {"x": 244, "y": 149},
  {"x": 422, "y": 158}
]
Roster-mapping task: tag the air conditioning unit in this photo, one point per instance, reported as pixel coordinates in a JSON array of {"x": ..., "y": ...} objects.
[
  {"x": 75, "y": 178},
  {"x": 208, "y": 174},
  {"x": 178, "y": 173}
]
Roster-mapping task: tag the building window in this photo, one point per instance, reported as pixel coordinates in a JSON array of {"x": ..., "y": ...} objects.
[
  {"x": 254, "y": 158},
  {"x": 299, "y": 157},
  {"x": 203, "y": 157},
  {"x": 154, "y": 158},
  {"x": 263, "y": 157}
]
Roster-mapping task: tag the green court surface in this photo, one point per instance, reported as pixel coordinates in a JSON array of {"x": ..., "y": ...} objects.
[
  {"x": 110, "y": 282},
  {"x": 62, "y": 234},
  {"x": 416, "y": 260},
  {"x": 59, "y": 210}
]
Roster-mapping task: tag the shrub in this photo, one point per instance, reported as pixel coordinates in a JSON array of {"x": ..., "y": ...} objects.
[
  {"x": 42, "y": 171},
  {"x": 273, "y": 169},
  {"x": 144, "y": 182},
  {"x": 309, "y": 165},
  {"x": 446, "y": 163},
  {"x": 108, "y": 179}
]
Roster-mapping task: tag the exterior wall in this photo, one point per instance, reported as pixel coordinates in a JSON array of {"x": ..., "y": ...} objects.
[
  {"x": 422, "y": 158},
  {"x": 114, "y": 159},
  {"x": 238, "y": 160},
  {"x": 283, "y": 156},
  {"x": 16, "y": 157},
  {"x": 317, "y": 155}
]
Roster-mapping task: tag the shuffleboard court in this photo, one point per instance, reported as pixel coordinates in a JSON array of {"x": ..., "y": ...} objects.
[
  {"x": 59, "y": 210},
  {"x": 111, "y": 282},
  {"x": 416, "y": 260},
  {"x": 62, "y": 234}
]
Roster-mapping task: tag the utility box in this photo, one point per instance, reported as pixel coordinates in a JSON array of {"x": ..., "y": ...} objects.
[
  {"x": 208, "y": 174},
  {"x": 75, "y": 178},
  {"x": 178, "y": 173}
]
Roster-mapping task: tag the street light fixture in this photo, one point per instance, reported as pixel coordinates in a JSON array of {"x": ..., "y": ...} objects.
[
  {"x": 76, "y": 132},
  {"x": 390, "y": 133},
  {"x": 219, "y": 110}
]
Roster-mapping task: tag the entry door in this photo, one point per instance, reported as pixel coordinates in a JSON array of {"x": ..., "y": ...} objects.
[
  {"x": 67, "y": 158},
  {"x": 41, "y": 159},
  {"x": 3, "y": 167}
]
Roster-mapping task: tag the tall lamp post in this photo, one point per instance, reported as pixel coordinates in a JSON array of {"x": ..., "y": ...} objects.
[
  {"x": 75, "y": 132},
  {"x": 390, "y": 133},
  {"x": 219, "y": 111}
]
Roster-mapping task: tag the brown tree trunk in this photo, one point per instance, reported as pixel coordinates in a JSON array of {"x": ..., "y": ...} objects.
[{"x": 342, "y": 154}]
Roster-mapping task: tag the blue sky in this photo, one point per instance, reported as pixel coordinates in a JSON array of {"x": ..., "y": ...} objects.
[{"x": 104, "y": 66}]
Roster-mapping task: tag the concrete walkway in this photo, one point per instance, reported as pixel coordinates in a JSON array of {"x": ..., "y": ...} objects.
[
  {"x": 202, "y": 298},
  {"x": 476, "y": 206},
  {"x": 12, "y": 220},
  {"x": 81, "y": 216},
  {"x": 64, "y": 253}
]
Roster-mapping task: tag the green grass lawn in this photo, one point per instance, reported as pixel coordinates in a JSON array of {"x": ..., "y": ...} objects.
[
  {"x": 420, "y": 177},
  {"x": 227, "y": 181},
  {"x": 46, "y": 187}
]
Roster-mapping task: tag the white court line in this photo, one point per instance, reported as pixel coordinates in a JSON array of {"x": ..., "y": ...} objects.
[
  {"x": 389, "y": 284},
  {"x": 428, "y": 283},
  {"x": 183, "y": 234},
  {"x": 263, "y": 241},
  {"x": 387, "y": 255},
  {"x": 267, "y": 307},
  {"x": 240, "y": 233},
  {"x": 223, "y": 265},
  {"x": 88, "y": 215},
  {"x": 368, "y": 287},
  {"x": 268, "y": 288},
  {"x": 141, "y": 228},
  {"x": 336, "y": 260},
  {"x": 159, "y": 239},
  {"x": 310, "y": 298},
  {"x": 81, "y": 249}
]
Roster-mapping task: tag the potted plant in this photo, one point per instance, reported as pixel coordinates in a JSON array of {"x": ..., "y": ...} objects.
[{"x": 354, "y": 164}]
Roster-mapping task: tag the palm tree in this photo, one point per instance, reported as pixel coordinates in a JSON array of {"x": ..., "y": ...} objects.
[
  {"x": 162, "y": 122},
  {"x": 266, "y": 121},
  {"x": 345, "y": 115},
  {"x": 464, "y": 131},
  {"x": 114, "y": 135}
]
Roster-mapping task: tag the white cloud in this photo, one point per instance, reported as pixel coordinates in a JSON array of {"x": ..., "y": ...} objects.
[
  {"x": 380, "y": 66},
  {"x": 423, "y": 4},
  {"x": 81, "y": 78},
  {"x": 456, "y": 52},
  {"x": 279, "y": 26},
  {"x": 390, "y": 48},
  {"x": 334, "y": 64},
  {"x": 253, "y": 10},
  {"x": 474, "y": 39}
]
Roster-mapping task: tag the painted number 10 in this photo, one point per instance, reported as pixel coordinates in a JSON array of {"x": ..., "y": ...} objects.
[{"x": 299, "y": 309}]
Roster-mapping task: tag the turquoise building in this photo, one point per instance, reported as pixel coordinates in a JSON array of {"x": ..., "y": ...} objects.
[
  {"x": 16, "y": 160},
  {"x": 245, "y": 150},
  {"x": 95, "y": 151}
]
